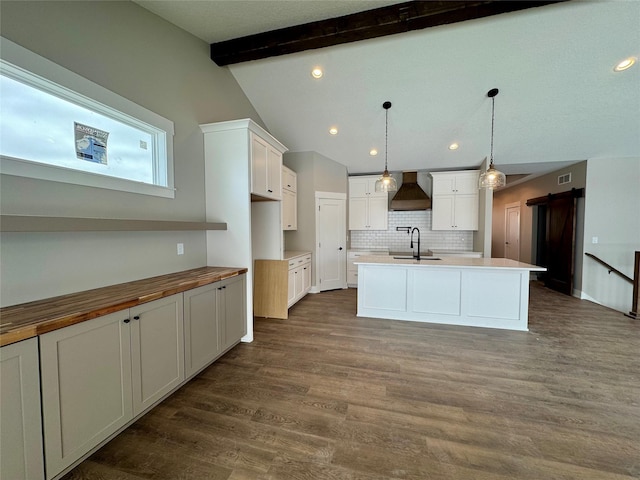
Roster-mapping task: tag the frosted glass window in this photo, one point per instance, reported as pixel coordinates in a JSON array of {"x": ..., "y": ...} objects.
[{"x": 51, "y": 132}]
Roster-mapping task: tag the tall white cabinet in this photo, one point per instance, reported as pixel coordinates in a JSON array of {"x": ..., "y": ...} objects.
[
  {"x": 241, "y": 159},
  {"x": 455, "y": 200},
  {"x": 368, "y": 209}
]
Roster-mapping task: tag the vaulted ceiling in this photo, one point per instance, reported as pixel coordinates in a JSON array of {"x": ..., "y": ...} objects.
[{"x": 560, "y": 100}]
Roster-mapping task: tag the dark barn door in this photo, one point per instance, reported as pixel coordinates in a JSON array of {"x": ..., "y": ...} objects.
[{"x": 557, "y": 237}]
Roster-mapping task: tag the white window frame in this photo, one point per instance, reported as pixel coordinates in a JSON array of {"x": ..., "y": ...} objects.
[{"x": 39, "y": 72}]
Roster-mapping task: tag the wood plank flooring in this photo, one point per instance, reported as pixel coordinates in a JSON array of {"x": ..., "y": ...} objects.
[{"x": 328, "y": 395}]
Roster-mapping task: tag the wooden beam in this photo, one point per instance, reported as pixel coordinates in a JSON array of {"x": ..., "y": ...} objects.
[{"x": 402, "y": 17}]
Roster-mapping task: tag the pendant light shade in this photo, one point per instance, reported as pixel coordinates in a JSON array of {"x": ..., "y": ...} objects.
[
  {"x": 386, "y": 183},
  {"x": 492, "y": 178}
]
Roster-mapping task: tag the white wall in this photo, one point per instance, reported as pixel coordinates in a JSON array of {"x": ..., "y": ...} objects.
[
  {"x": 136, "y": 54},
  {"x": 612, "y": 214}
]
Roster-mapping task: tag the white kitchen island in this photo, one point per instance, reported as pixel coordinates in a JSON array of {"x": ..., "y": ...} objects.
[{"x": 479, "y": 292}]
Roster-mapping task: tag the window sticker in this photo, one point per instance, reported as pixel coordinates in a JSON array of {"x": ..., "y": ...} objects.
[{"x": 91, "y": 143}]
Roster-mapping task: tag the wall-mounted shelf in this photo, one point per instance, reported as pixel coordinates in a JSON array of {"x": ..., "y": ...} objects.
[{"x": 32, "y": 223}]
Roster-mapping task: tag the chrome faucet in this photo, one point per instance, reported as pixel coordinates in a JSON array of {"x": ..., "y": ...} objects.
[{"x": 417, "y": 255}]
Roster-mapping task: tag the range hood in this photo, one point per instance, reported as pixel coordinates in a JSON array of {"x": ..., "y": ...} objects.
[{"x": 410, "y": 196}]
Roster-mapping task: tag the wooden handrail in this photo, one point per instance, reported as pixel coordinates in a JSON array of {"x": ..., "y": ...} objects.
[
  {"x": 609, "y": 267},
  {"x": 635, "y": 281}
]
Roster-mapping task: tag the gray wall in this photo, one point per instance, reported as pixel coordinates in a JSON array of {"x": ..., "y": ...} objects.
[
  {"x": 316, "y": 173},
  {"x": 534, "y": 188},
  {"x": 136, "y": 54}
]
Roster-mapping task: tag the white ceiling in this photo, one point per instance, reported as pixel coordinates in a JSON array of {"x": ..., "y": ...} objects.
[{"x": 560, "y": 101}]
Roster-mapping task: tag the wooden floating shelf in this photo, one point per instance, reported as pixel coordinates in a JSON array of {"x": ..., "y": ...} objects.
[{"x": 32, "y": 223}]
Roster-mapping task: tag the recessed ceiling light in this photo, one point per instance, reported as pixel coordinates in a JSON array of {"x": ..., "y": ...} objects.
[
  {"x": 373, "y": 152},
  {"x": 624, "y": 64},
  {"x": 453, "y": 146},
  {"x": 333, "y": 131},
  {"x": 316, "y": 72}
]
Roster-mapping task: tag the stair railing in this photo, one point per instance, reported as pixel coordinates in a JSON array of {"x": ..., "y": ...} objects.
[{"x": 635, "y": 281}]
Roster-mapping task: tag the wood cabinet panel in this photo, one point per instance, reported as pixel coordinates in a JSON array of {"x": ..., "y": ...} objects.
[{"x": 455, "y": 200}]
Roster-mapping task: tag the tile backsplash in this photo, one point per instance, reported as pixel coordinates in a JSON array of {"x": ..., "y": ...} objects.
[{"x": 399, "y": 241}]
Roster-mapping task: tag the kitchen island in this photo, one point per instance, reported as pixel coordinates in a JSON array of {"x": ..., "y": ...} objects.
[{"x": 479, "y": 292}]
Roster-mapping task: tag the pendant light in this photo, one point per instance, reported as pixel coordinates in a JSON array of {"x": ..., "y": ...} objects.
[
  {"x": 386, "y": 183},
  {"x": 492, "y": 178}
]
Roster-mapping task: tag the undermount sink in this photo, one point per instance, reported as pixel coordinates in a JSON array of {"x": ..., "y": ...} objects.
[{"x": 414, "y": 258}]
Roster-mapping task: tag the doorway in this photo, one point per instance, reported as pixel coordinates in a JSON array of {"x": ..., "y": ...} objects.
[
  {"x": 512, "y": 231},
  {"x": 556, "y": 237},
  {"x": 331, "y": 240}
]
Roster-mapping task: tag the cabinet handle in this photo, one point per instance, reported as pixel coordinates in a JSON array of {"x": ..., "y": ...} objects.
[
  {"x": 224, "y": 286},
  {"x": 339, "y": 248},
  {"x": 137, "y": 317},
  {"x": 270, "y": 191},
  {"x": 126, "y": 320}
]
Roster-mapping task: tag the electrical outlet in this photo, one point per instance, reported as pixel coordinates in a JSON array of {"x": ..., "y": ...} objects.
[
  {"x": 181, "y": 249},
  {"x": 594, "y": 239}
]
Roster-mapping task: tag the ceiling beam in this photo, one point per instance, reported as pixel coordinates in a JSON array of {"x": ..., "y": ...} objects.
[{"x": 398, "y": 18}]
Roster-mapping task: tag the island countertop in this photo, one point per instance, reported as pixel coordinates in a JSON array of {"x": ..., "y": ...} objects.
[
  {"x": 445, "y": 262},
  {"x": 26, "y": 320}
]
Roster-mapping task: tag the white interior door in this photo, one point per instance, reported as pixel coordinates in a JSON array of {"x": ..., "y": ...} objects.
[
  {"x": 331, "y": 234},
  {"x": 512, "y": 232}
]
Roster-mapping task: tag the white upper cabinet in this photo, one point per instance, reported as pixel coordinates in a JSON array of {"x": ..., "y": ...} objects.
[
  {"x": 289, "y": 179},
  {"x": 368, "y": 209},
  {"x": 266, "y": 169},
  {"x": 289, "y": 199},
  {"x": 455, "y": 200}
]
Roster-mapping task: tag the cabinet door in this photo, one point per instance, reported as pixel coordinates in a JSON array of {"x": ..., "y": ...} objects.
[
  {"x": 274, "y": 173},
  {"x": 358, "y": 213},
  {"x": 443, "y": 184},
  {"x": 358, "y": 186},
  {"x": 291, "y": 287},
  {"x": 232, "y": 308},
  {"x": 20, "y": 416},
  {"x": 378, "y": 212},
  {"x": 299, "y": 290},
  {"x": 306, "y": 278},
  {"x": 259, "y": 177},
  {"x": 86, "y": 387},
  {"x": 289, "y": 179},
  {"x": 467, "y": 183},
  {"x": 289, "y": 210},
  {"x": 442, "y": 212},
  {"x": 200, "y": 327},
  {"x": 157, "y": 350},
  {"x": 466, "y": 212}
]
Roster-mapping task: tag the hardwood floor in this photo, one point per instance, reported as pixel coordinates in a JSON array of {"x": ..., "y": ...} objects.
[{"x": 328, "y": 395}]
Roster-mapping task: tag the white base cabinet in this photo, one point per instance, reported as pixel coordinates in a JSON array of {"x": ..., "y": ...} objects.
[
  {"x": 20, "y": 419},
  {"x": 214, "y": 320},
  {"x": 86, "y": 387},
  {"x": 99, "y": 374}
]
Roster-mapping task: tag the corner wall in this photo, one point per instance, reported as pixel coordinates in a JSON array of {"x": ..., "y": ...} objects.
[
  {"x": 612, "y": 215},
  {"x": 153, "y": 63}
]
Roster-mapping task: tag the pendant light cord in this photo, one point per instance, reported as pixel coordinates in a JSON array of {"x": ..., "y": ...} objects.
[
  {"x": 386, "y": 136},
  {"x": 493, "y": 111}
]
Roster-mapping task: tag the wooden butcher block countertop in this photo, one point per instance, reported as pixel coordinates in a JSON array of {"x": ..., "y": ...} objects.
[{"x": 26, "y": 320}]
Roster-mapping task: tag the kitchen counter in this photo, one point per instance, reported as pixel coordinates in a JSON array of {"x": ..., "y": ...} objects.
[
  {"x": 434, "y": 261},
  {"x": 26, "y": 320},
  {"x": 479, "y": 292}
]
